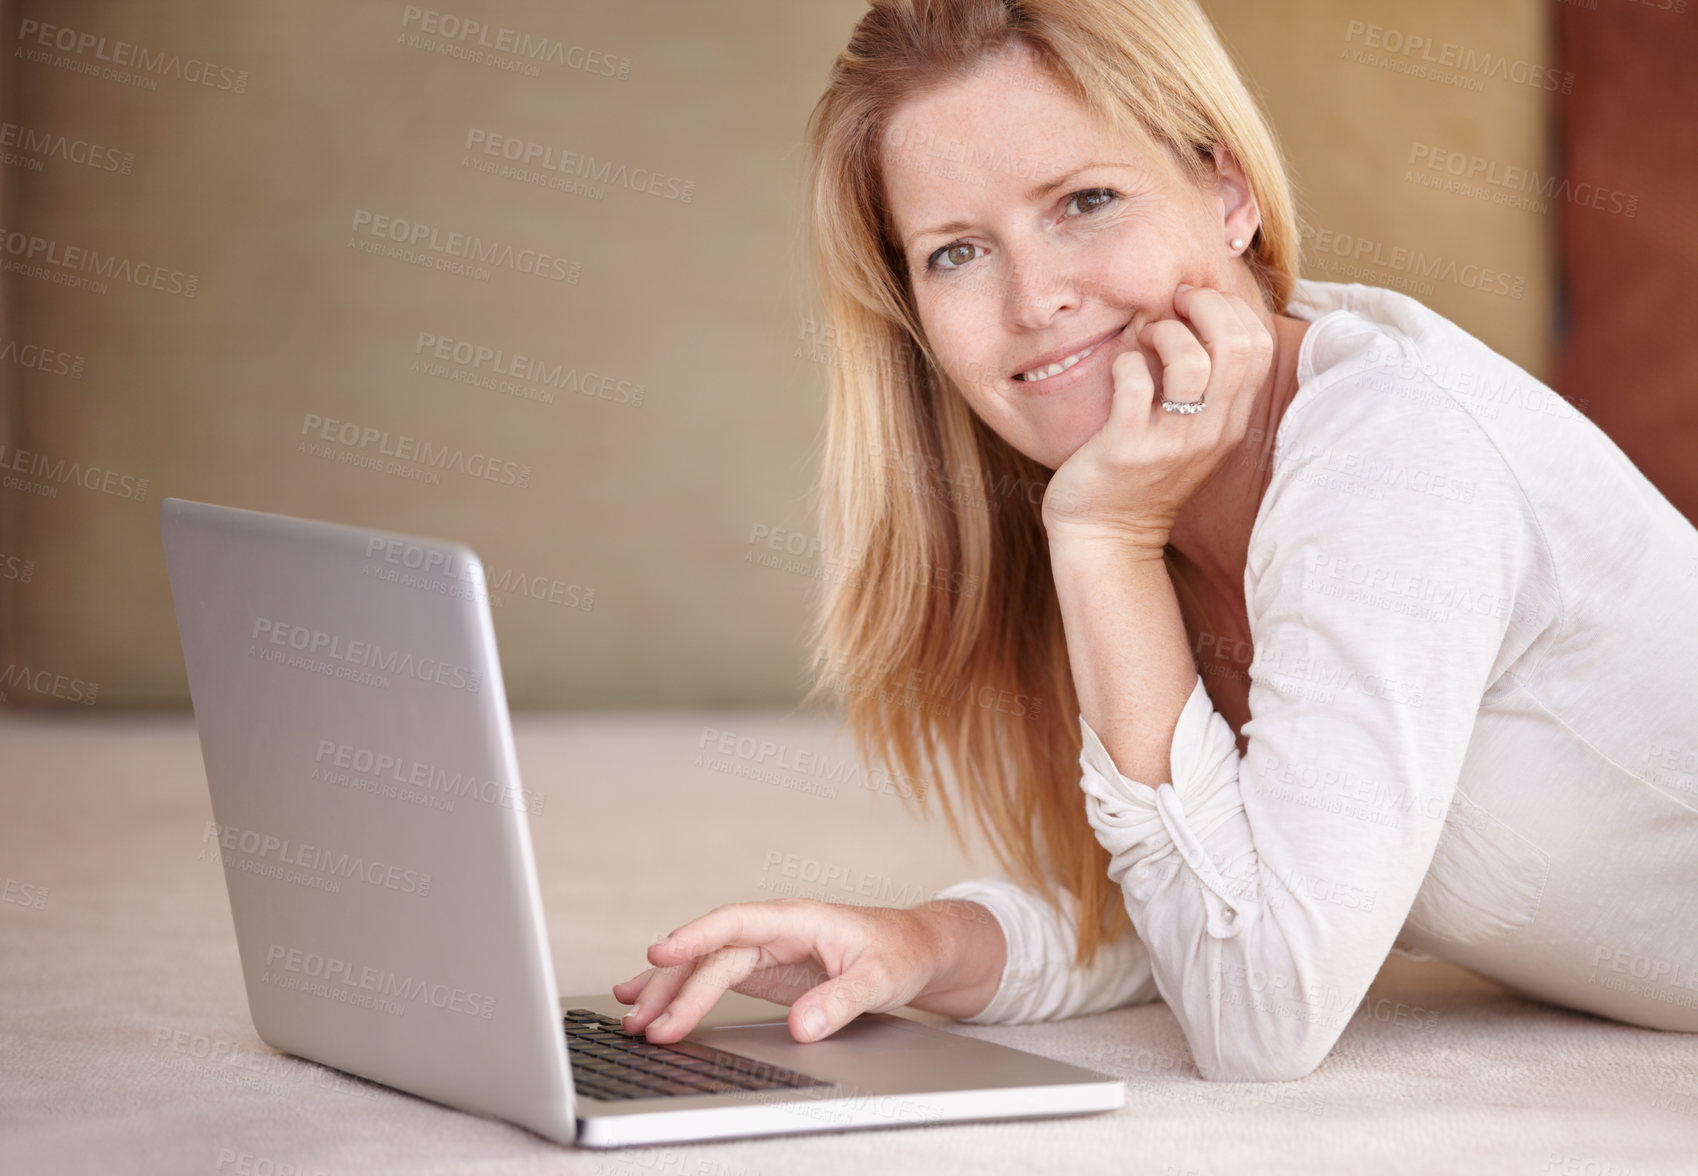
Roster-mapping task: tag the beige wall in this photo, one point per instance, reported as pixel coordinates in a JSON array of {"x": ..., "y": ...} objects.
[{"x": 255, "y": 189}]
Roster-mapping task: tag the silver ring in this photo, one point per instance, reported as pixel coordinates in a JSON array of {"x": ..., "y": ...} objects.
[{"x": 1185, "y": 406}]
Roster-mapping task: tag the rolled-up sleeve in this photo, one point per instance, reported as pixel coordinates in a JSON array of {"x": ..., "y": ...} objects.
[
  {"x": 1040, "y": 981},
  {"x": 1269, "y": 888}
]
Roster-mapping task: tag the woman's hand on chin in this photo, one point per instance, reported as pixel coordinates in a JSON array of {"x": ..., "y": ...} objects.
[{"x": 1128, "y": 482}]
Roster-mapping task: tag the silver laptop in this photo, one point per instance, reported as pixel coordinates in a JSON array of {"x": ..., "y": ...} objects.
[{"x": 368, "y": 813}]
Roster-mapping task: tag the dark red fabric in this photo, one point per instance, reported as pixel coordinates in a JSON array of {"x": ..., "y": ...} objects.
[{"x": 1629, "y": 355}]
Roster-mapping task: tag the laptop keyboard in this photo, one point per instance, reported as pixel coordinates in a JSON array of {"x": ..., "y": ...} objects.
[{"x": 609, "y": 1064}]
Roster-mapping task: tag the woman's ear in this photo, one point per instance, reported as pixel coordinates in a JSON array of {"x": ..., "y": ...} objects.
[{"x": 1240, "y": 215}]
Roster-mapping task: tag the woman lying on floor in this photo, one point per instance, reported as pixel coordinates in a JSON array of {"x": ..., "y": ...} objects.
[{"x": 1360, "y": 636}]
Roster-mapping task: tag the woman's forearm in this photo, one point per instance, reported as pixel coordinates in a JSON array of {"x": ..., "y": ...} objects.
[{"x": 1131, "y": 659}]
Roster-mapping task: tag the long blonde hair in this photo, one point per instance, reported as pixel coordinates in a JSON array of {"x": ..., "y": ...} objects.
[{"x": 939, "y": 623}]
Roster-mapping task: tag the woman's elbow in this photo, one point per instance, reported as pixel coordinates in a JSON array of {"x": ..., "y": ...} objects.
[{"x": 1285, "y": 1059}]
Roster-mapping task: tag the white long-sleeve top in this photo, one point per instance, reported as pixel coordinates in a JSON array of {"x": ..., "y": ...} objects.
[{"x": 1473, "y": 732}]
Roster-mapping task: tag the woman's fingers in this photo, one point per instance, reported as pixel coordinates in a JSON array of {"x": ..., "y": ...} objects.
[
  {"x": 701, "y": 990},
  {"x": 1134, "y": 393},
  {"x": 782, "y": 983},
  {"x": 744, "y": 924},
  {"x": 656, "y": 995},
  {"x": 781, "y": 931},
  {"x": 838, "y": 1001},
  {"x": 628, "y": 991},
  {"x": 1235, "y": 341},
  {"x": 1185, "y": 364}
]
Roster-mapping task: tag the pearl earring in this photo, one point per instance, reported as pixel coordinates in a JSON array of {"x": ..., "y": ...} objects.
[{"x": 1237, "y": 244}]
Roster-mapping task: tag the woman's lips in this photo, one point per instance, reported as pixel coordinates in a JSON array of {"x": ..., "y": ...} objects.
[{"x": 1073, "y": 375}]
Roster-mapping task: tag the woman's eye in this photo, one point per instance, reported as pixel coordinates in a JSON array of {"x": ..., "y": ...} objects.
[
  {"x": 1088, "y": 192},
  {"x": 953, "y": 257},
  {"x": 954, "y": 252}
]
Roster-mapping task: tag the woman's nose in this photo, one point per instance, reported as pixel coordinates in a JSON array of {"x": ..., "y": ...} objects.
[{"x": 1036, "y": 290}]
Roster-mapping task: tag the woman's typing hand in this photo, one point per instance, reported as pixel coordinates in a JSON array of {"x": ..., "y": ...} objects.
[{"x": 830, "y": 962}]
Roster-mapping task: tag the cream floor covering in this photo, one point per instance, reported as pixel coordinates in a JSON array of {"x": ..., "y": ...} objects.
[{"x": 119, "y": 980}]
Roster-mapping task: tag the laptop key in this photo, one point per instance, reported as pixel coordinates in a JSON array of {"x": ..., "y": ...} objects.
[
  {"x": 668, "y": 1087},
  {"x": 706, "y": 1052},
  {"x": 705, "y": 1083},
  {"x": 611, "y": 1088}
]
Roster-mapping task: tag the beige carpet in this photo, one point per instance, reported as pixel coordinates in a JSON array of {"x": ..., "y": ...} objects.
[{"x": 125, "y": 1043}]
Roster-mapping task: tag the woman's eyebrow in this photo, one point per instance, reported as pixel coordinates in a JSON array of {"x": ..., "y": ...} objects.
[
  {"x": 1045, "y": 187},
  {"x": 1042, "y": 189}
]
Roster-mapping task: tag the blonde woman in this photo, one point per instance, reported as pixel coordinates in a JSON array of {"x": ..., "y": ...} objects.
[{"x": 1338, "y": 632}]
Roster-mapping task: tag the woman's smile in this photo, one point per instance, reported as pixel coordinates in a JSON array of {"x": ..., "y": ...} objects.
[
  {"x": 1046, "y": 375},
  {"x": 1081, "y": 366}
]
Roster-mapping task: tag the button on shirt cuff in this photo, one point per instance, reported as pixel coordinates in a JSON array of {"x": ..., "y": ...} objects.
[{"x": 1150, "y": 832}]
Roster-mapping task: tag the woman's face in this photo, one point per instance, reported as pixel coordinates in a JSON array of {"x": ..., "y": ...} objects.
[{"x": 1011, "y": 269}]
